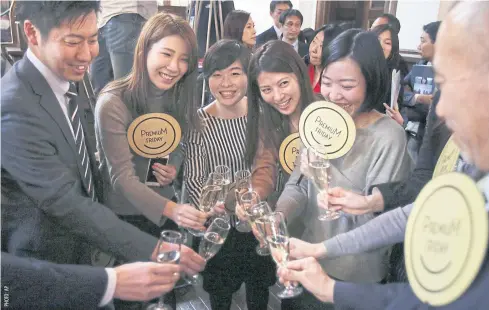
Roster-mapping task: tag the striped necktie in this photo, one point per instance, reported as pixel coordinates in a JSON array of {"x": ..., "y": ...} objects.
[{"x": 73, "y": 112}]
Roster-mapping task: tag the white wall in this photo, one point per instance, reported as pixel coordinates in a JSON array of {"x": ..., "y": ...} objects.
[{"x": 413, "y": 15}]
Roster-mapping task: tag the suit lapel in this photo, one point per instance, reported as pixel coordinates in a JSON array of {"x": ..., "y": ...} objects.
[
  {"x": 273, "y": 34},
  {"x": 50, "y": 103}
]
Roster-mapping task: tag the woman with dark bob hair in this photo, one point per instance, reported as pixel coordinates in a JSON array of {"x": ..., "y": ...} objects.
[
  {"x": 239, "y": 26},
  {"x": 389, "y": 41},
  {"x": 222, "y": 142},
  {"x": 278, "y": 91},
  {"x": 355, "y": 78},
  {"x": 320, "y": 41}
]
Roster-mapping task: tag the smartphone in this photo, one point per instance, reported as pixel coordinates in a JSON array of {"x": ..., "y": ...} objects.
[{"x": 150, "y": 178}]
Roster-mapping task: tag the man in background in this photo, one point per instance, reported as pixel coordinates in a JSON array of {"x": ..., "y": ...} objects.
[
  {"x": 290, "y": 24},
  {"x": 274, "y": 32}
]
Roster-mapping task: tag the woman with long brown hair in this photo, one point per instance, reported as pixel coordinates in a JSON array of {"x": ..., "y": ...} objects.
[{"x": 162, "y": 80}]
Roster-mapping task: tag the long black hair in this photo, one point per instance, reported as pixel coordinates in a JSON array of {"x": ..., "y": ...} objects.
[
  {"x": 394, "y": 58},
  {"x": 364, "y": 48},
  {"x": 263, "y": 119}
]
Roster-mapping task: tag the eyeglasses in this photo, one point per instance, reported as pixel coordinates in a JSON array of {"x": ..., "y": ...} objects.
[{"x": 293, "y": 25}]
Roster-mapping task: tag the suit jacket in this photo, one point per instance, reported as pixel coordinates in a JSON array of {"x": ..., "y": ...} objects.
[
  {"x": 303, "y": 49},
  {"x": 270, "y": 34},
  {"x": 265, "y": 36},
  {"x": 436, "y": 136},
  {"x": 397, "y": 296},
  {"x": 34, "y": 284},
  {"x": 46, "y": 212}
]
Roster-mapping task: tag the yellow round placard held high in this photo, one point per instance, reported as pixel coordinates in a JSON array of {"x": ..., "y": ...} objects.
[
  {"x": 288, "y": 152},
  {"x": 447, "y": 162},
  {"x": 446, "y": 239},
  {"x": 326, "y": 124},
  {"x": 154, "y": 135}
]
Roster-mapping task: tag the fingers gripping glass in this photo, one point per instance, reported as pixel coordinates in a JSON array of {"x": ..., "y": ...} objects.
[
  {"x": 254, "y": 213},
  {"x": 318, "y": 166},
  {"x": 209, "y": 197},
  {"x": 169, "y": 249},
  {"x": 214, "y": 238},
  {"x": 274, "y": 228}
]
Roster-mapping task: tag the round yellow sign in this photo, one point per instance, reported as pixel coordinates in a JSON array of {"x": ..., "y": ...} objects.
[
  {"x": 446, "y": 239},
  {"x": 447, "y": 162},
  {"x": 328, "y": 125},
  {"x": 154, "y": 135},
  {"x": 289, "y": 150}
]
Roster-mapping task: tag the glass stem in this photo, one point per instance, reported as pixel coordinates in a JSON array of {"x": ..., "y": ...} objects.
[{"x": 161, "y": 301}]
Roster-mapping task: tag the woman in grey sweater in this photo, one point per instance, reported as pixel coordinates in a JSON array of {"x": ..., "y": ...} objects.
[
  {"x": 355, "y": 78},
  {"x": 162, "y": 81}
]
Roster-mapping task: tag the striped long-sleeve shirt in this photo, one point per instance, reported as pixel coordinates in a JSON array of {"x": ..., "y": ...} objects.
[{"x": 220, "y": 142}]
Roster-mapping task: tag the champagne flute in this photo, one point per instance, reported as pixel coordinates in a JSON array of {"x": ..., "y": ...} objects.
[
  {"x": 246, "y": 201},
  {"x": 225, "y": 179},
  {"x": 242, "y": 181},
  {"x": 275, "y": 229},
  {"x": 169, "y": 246},
  {"x": 214, "y": 238},
  {"x": 254, "y": 213},
  {"x": 208, "y": 198},
  {"x": 318, "y": 164}
]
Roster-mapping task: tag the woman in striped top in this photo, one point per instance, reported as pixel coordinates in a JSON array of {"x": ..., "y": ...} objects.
[{"x": 222, "y": 141}]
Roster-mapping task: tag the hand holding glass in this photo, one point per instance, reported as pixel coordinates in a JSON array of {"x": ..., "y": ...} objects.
[
  {"x": 254, "y": 214},
  {"x": 169, "y": 246},
  {"x": 318, "y": 168},
  {"x": 214, "y": 238},
  {"x": 275, "y": 229},
  {"x": 209, "y": 197}
]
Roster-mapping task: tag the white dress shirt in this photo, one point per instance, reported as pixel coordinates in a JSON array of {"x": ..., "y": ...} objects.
[
  {"x": 278, "y": 31},
  {"x": 295, "y": 45},
  {"x": 59, "y": 88}
]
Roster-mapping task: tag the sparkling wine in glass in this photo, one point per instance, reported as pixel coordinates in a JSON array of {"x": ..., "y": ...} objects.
[
  {"x": 209, "y": 196},
  {"x": 169, "y": 247},
  {"x": 213, "y": 240},
  {"x": 318, "y": 165},
  {"x": 242, "y": 180},
  {"x": 224, "y": 177},
  {"x": 277, "y": 236},
  {"x": 254, "y": 213}
]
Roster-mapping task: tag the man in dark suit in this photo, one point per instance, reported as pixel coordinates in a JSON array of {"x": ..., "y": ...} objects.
[
  {"x": 291, "y": 23},
  {"x": 33, "y": 284},
  {"x": 275, "y": 32},
  {"x": 49, "y": 208},
  {"x": 464, "y": 106}
]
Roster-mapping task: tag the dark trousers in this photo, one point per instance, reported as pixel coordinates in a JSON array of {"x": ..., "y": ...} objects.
[
  {"x": 117, "y": 41},
  {"x": 237, "y": 263}
]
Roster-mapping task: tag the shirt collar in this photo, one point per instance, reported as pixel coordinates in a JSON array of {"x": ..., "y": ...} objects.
[
  {"x": 295, "y": 45},
  {"x": 59, "y": 86},
  {"x": 278, "y": 31}
]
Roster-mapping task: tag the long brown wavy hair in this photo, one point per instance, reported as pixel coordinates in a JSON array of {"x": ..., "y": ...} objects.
[{"x": 134, "y": 88}]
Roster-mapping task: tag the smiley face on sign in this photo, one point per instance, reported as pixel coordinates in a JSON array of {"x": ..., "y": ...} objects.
[
  {"x": 154, "y": 135},
  {"x": 446, "y": 239},
  {"x": 326, "y": 124},
  {"x": 289, "y": 150}
]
